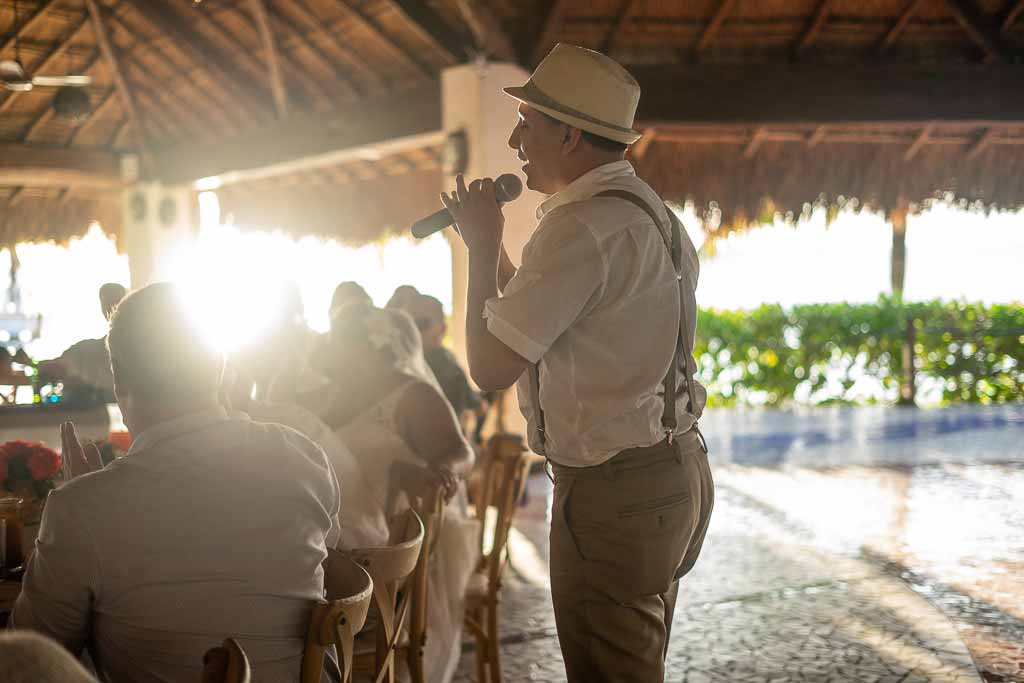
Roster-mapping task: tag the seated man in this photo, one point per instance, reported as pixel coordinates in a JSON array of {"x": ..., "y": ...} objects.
[
  {"x": 213, "y": 525},
  {"x": 85, "y": 366}
]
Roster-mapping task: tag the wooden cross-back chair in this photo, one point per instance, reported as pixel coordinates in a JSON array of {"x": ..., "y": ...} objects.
[
  {"x": 226, "y": 663},
  {"x": 392, "y": 568},
  {"x": 337, "y": 621},
  {"x": 505, "y": 466},
  {"x": 413, "y": 485}
]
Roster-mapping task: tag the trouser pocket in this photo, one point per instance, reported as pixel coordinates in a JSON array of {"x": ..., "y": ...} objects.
[{"x": 632, "y": 531}]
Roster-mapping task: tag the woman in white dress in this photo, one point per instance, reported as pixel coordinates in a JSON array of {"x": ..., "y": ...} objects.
[{"x": 385, "y": 405}]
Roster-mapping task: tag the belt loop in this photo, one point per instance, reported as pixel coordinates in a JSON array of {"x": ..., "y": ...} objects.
[{"x": 548, "y": 470}]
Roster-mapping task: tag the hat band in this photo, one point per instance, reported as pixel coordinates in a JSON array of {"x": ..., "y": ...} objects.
[{"x": 543, "y": 99}]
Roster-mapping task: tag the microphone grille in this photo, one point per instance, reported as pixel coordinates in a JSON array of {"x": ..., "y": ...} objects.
[{"x": 508, "y": 186}]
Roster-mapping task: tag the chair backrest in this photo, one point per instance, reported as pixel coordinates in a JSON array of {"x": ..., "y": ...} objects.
[
  {"x": 349, "y": 590},
  {"x": 391, "y": 567},
  {"x": 226, "y": 664},
  {"x": 505, "y": 468},
  {"x": 424, "y": 493}
]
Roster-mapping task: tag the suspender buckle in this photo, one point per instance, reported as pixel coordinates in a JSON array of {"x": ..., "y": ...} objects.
[{"x": 670, "y": 435}]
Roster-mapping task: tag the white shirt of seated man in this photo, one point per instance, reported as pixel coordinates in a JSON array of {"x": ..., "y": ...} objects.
[{"x": 212, "y": 526}]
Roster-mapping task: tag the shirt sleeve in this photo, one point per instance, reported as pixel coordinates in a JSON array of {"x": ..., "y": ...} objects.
[
  {"x": 562, "y": 274},
  {"x": 59, "y": 585}
]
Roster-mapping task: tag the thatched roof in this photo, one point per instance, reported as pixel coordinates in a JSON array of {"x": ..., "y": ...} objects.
[{"x": 176, "y": 72}]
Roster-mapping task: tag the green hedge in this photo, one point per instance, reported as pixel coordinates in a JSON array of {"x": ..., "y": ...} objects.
[{"x": 825, "y": 353}]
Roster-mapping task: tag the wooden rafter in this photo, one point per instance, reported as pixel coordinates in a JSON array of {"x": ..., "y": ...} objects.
[
  {"x": 550, "y": 29},
  {"x": 211, "y": 104},
  {"x": 338, "y": 72},
  {"x": 714, "y": 26},
  {"x": 1012, "y": 14},
  {"x": 919, "y": 142},
  {"x": 981, "y": 144},
  {"x": 978, "y": 29},
  {"x": 215, "y": 61},
  {"x": 893, "y": 34},
  {"x": 47, "y": 61},
  {"x": 425, "y": 21},
  {"x": 814, "y": 27},
  {"x": 756, "y": 140},
  {"x": 386, "y": 42},
  {"x": 815, "y": 138},
  {"x": 296, "y": 69},
  {"x": 16, "y": 196},
  {"x": 490, "y": 37},
  {"x": 120, "y": 84},
  {"x": 27, "y": 24},
  {"x": 317, "y": 29},
  {"x": 270, "y": 56},
  {"x": 45, "y": 166},
  {"x": 627, "y": 8}
]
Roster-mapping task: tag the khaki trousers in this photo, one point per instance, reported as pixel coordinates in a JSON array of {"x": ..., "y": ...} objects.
[{"x": 622, "y": 534}]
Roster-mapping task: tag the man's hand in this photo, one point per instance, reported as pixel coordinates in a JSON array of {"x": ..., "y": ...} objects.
[
  {"x": 77, "y": 460},
  {"x": 477, "y": 214}
]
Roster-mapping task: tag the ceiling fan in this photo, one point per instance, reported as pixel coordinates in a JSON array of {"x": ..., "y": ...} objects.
[{"x": 13, "y": 76}]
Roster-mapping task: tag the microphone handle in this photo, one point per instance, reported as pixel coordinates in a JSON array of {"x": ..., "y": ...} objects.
[{"x": 425, "y": 227}]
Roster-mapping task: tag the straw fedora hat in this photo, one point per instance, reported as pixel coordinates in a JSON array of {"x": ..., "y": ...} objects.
[{"x": 585, "y": 89}]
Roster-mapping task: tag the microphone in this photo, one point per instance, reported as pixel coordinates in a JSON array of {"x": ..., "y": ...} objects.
[{"x": 506, "y": 188}]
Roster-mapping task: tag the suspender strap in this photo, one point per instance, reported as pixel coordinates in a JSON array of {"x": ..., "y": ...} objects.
[{"x": 675, "y": 248}]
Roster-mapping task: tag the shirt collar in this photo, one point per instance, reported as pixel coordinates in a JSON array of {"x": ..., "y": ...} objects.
[
  {"x": 586, "y": 185},
  {"x": 192, "y": 422}
]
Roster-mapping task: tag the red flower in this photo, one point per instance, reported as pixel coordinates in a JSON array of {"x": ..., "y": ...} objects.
[{"x": 44, "y": 463}]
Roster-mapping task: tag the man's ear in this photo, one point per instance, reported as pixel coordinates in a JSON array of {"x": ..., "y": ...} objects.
[{"x": 571, "y": 138}]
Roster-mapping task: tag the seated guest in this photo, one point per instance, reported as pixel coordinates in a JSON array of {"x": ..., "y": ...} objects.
[
  {"x": 27, "y": 657},
  {"x": 428, "y": 313},
  {"x": 361, "y": 522},
  {"x": 213, "y": 525},
  {"x": 402, "y": 297},
  {"x": 347, "y": 293},
  {"x": 386, "y": 407},
  {"x": 85, "y": 366}
]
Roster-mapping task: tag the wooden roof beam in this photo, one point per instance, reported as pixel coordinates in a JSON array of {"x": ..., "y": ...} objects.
[
  {"x": 814, "y": 28},
  {"x": 39, "y": 166},
  {"x": 490, "y": 37},
  {"x": 714, "y": 26},
  {"x": 978, "y": 29},
  {"x": 367, "y": 24},
  {"x": 220, "y": 65},
  {"x": 640, "y": 149},
  {"x": 981, "y": 144},
  {"x": 760, "y": 135},
  {"x": 624, "y": 14},
  {"x": 316, "y": 27},
  {"x": 893, "y": 34},
  {"x": 819, "y": 94},
  {"x": 549, "y": 29},
  {"x": 271, "y": 57},
  {"x": 98, "y": 111},
  {"x": 27, "y": 24},
  {"x": 919, "y": 142},
  {"x": 310, "y": 139},
  {"x": 429, "y": 25},
  {"x": 1012, "y": 14},
  {"x": 120, "y": 84}
]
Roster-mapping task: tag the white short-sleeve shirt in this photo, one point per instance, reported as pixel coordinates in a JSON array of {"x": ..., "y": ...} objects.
[{"x": 596, "y": 303}]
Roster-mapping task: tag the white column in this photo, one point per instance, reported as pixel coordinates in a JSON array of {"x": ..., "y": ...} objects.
[
  {"x": 473, "y": 101},
  {"x": 158, "y": 223}
]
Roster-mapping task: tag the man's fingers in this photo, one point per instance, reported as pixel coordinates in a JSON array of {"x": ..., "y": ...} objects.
[
  {"x": 460, "y": 188},
  {"x": 487, "y": 188}
]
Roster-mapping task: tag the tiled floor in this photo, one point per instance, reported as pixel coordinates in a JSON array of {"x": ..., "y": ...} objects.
[{"x": 898, "y": 574}]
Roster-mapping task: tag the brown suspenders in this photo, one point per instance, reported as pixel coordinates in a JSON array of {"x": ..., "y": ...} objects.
[{"x": 668, "y": 416}]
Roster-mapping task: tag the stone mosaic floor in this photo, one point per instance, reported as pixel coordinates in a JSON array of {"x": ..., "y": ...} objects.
[{"x": 843, "y": 574}]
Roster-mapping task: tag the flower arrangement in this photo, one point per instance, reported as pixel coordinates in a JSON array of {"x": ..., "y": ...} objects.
[{"x": 28, "y": 469}]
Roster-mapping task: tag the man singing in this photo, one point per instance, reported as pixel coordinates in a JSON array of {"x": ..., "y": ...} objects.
[{"x": 595, "y": 325}]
